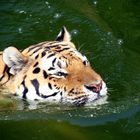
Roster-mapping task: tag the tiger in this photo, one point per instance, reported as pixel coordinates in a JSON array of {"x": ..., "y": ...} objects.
[{"x": 50, "y": 71}]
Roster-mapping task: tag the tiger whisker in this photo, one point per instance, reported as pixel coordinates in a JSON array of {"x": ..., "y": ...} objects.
[{"x": 80, "y": 47}]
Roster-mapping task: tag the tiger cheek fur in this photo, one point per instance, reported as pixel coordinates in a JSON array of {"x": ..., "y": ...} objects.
[{"x": 51, "y": 71}]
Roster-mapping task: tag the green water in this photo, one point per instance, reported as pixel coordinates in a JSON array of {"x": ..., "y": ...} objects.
[{"x": 108, "y": 32}]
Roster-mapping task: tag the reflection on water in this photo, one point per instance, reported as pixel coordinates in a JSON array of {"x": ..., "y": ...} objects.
[
  {"x": 107, "y": 32},
  {"x": 93, "y": 114}
]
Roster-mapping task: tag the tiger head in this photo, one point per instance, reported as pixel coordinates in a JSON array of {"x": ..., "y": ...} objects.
[{"x": 51, "y": 71}]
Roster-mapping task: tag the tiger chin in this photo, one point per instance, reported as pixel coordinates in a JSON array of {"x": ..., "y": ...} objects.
[{"x": 51, "y": 71}]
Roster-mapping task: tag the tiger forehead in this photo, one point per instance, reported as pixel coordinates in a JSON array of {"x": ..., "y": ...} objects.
[
  {"x": 49, "y": 47},
  {"x": 61, "y": 50}
]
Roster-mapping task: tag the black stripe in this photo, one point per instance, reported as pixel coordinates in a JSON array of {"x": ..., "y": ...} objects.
[
  {"x": 25, "y": 92},
  {"x": 52, "y": 46},
  {"x": 36, "y": 51},
  {"x": 46, "y": 49},
  {"x": 72, "y": 90},
  {"x": 46, "y": 96},
  {"x": 35, "y": 64},
  {"x": 50, "y": 78},
  {"x": 50, "y": 55},
  {"x": 25, "y": 89},
  {"x": 50, "y": 86},
  {"x": 36, "y": 70},
  {"x": 59, "y": 64},
  {"x": 58, "y": 48},
  {"x": 36, "y": 46},
  {"x": 50, "y": 43},
  {"x": 61, "y": 37},
  {"x": 35, "y": 83},
  {"x": 80, "y": 102},
  {"x": 2, "y": 77},
  {"x": 43, "y": 54},
  {"x": 9, "y": 75},
  {"x": 63, "y": 49},
  {"x": 32, "y": 48},
  {"x": 51, "y": 68},
  {"x": 45, "y": 74},
  {"x": 36, "y": 56},
  {"x": 53, "y": 62},
  {"x": 65, "y": 89},
  {"x": 5, "y": 69}
]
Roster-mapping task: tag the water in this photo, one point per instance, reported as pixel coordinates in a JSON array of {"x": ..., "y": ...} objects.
[{"x": 108, "y": 33}]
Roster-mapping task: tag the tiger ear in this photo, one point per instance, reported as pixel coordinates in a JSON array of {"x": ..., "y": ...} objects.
[
  {"x": 63, "y": 35},
  {"x": 14, "y": 59}
]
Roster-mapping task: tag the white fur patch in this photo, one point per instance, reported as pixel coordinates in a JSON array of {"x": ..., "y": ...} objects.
[
  {"x": 103, "y": 91},
  {"x": 31, "y": 94},
  {"x": 44, "y": 90},
  {"x": 20, "y": 90},
  {"x": 78, "y": 54},
  {"x": 46, "y": 63},
  {"x": 91, "y": 95}
]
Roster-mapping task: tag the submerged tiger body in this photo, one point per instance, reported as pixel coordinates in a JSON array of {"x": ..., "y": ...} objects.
[{"x": 50, "y": 71}]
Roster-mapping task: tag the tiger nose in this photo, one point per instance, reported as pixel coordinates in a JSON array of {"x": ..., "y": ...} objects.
[{"x": 95, "y": 87}]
